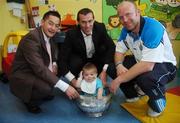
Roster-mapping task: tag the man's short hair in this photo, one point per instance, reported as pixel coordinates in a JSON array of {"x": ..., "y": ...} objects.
[
  {"x": 53, "y": 13},
  {"x": 84, "y": 11}
]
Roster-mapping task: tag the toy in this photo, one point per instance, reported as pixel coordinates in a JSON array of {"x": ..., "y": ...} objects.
[{"x": 10, "y": 44}]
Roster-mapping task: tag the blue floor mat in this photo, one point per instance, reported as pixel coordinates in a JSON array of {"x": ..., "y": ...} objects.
[{"x": 59, "y": 110}]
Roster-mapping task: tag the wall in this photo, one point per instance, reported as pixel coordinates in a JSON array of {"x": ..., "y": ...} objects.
[
  {"x": 163, "y": 10},
  {"x": 176, "y": 45},
  {"x": 8, "y": 22},
  {"x": 72, "y": 7}
]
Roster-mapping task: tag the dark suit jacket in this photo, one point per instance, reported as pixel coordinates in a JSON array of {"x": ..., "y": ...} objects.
[
  {"x": 30, "y": 66},
  {"x": 74, "y": 45}
]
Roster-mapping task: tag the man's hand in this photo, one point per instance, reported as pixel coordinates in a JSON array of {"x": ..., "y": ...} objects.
[
  {"x": 74, "y": 83},
  {"x": 116, "y": 82},
  {"x": 103, "y": 77},
  {"x": 78, "y": 82},
  {"x": 55, "y": 69},
  {"x": 114, "y": 86},
  {"x": 72, "y": 93},
  {"x": 121, "y": 69}
]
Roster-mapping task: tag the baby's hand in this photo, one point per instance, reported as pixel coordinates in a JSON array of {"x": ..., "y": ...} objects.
[
  {"x": 80, "y": 75},
  {"x": 99, "y": 97}
]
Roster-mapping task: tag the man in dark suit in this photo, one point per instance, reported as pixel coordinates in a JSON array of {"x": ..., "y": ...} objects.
[
  {"x": 87, "y": 42},
  {"x": 34, "y": 69}
]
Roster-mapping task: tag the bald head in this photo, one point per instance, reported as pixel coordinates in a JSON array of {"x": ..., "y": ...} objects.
[
  {"x": 129, "y": 15},
  {"x": 126, "y": 5}
]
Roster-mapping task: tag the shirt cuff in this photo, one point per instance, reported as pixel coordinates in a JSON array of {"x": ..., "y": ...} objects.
[
  {"x": 54, "y": 63},
  {"x": 62, "y": 85},
  {"x": 69, "y": 76},
  {"x": 105, "y": 67}
]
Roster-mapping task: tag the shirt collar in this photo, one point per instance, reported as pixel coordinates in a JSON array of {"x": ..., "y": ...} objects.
[
  {"x": 136, "y": 36},
  {"x": 142, "y": 22},
  {"x": 45, "y": 37},
  {"x": 84, "y": 35}
]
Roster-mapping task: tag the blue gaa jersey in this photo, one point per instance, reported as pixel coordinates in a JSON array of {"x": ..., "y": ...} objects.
[{"x": 152, "y": 44}]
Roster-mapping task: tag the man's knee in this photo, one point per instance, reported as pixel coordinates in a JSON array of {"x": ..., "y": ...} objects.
[{"x": 145, "y": 81}]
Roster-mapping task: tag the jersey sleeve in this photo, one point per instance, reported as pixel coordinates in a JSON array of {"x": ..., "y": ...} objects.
[
  {"x": 99, "y": 83},
  {"x": 153, "y": 41}
]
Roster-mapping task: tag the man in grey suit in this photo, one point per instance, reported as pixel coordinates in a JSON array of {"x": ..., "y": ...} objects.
[
  {"x": 34, "y": 69},
  {"x": 87, "y": 42}
]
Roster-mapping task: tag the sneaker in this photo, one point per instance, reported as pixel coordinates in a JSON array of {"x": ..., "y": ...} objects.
[
  {"x": 134, "y": 99},
  {"x": 152, "y": 113}
]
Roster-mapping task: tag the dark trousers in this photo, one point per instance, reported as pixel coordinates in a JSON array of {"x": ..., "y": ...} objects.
[
  {"x": 152, "y": 83},
  {"x": 40, "y": 91}
]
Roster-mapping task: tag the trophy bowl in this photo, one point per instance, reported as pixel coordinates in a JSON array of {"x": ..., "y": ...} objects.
[{"x": 92, "y": 106}]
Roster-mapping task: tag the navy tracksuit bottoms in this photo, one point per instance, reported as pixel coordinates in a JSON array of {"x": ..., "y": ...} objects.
[{"x": 152, "y": 83}]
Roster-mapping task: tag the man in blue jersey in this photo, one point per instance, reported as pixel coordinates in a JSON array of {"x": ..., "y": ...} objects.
[{"x": 152, "y": 64}]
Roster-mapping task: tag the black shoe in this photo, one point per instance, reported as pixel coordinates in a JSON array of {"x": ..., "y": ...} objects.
[
  {"x": 33, "y": 108},
  {"x": 48, "y": 98},
  {"x": 4, "y": 78}
]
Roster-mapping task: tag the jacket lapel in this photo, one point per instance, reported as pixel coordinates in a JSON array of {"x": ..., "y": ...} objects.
[
  {"x": 81, "y": 41},
  {"x": 43, "y": 43},
  {"x": 95, "y": 36}
]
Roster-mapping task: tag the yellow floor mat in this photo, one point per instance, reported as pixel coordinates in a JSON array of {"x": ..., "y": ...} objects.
[{"x": 171, "y": 113}]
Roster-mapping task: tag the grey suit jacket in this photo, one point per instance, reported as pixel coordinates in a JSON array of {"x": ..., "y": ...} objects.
[{"x": 30, "y": 66}]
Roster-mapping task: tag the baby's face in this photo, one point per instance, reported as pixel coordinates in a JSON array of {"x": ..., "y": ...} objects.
[{"x": 89, "y": 75}]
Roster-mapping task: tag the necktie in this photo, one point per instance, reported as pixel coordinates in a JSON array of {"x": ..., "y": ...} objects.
[{"x": 48, "y": 46}]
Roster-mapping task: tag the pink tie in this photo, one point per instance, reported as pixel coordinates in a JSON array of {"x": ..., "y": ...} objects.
[{"x": 48, "y": 46}]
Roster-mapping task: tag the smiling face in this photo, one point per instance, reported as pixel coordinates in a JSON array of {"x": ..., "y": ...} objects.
[
  {"x": 173, "y": 3},
  {"x": 50, "y": 25},
  {"x": 86, "y": 23},
  {"x": 129, "y": 16},
  {"x": 161, "y": 2}
]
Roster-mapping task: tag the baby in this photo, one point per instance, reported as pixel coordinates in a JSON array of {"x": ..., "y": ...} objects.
[{"x": 89, "y": 83}]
